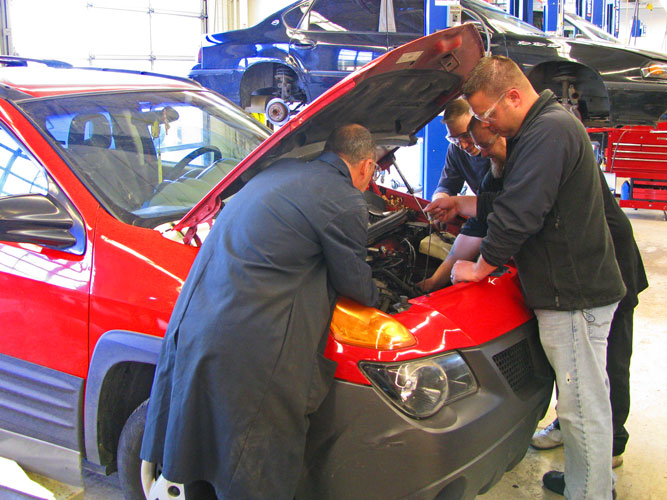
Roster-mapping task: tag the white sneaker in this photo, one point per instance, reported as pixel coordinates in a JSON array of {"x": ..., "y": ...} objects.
[{"x": 547, "y": 438}]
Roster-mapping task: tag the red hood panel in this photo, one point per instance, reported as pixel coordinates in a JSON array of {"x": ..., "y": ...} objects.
[{"x": 396, "y": 94}]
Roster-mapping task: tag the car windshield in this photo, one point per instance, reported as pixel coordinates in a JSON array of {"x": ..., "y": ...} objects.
[
  {"x": 502, "y": 21},
  {"x": 148, "y": 157}
]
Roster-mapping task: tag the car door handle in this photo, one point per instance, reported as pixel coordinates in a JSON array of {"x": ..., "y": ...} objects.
[{"x": 304, "y": 43}]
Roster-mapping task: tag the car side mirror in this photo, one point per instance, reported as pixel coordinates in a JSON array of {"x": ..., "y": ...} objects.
[{"x": 35, "y": 219}]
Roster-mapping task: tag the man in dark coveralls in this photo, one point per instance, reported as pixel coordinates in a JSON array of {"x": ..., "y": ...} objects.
[
  {"x": 550, "y": 218},
  {"x": 241, "y": 365}
]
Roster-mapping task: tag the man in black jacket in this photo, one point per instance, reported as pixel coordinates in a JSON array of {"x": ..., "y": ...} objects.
[
  {"x": 551, "y": 197},
  {"x": 619, "y": 343}
]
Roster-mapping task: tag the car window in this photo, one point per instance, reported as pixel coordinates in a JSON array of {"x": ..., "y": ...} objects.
[
  {"x": 578, "y": 27},
  {"x": 409, "y": 16},
  {"x": 569, "y": 30},
  {"x": 343, "y": 15},
  {"x": 293, "y": 17},
  {"x": 19, "y": 173},
  {"x": 148, "y": 156},
  {"x": 502, "y": 21}
]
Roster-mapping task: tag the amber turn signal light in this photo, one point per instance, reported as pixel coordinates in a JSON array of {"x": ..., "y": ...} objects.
[{"x": 363, "y": 326}]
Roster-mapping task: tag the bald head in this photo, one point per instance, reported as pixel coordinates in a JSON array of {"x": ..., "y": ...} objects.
[{"x": 352, "y": 142}]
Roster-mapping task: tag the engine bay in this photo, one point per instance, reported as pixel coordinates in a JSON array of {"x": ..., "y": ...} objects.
[{"x": 403, "y": 249}]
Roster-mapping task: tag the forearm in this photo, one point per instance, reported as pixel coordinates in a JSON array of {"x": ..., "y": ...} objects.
[
  {"x": 467, "y": 205},
  {"x": 446, "y": 208},
  {"x": 464, "y": 248},
  {"x": 482, "y": 268}
]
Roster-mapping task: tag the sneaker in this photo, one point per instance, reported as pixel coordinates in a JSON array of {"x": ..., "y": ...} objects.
[
  {"x": 616, "y": 461},
  {"x": 547, "y": 438},
  {"x": 555, "y": 481}
]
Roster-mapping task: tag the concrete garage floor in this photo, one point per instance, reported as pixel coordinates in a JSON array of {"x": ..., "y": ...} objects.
[{"x": 643, "y": 476}]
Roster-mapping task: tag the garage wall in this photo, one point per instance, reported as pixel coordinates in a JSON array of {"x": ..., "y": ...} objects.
[
  {"x": 258, "y": 10},
  {"x": 656, "y": 26},
  {"x": 152, "y": 35}
]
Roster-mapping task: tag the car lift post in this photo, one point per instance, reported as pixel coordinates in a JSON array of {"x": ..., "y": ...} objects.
[
  {"x": 438, "y": 15},
  {"x": 554, "y": 17},
  {"x": 523, "y": 9},
  {"x": 604, "y": 13}
]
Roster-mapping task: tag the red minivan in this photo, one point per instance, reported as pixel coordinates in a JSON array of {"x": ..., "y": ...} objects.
[{"x": 109, "y": 181}]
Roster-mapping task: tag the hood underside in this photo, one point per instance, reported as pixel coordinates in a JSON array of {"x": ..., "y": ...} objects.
[{"x": 394, "y": 96}]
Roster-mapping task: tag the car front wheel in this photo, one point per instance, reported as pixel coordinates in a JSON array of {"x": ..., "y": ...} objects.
[{"x": 129, "y": 446}]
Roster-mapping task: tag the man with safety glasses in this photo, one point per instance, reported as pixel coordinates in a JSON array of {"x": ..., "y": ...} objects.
[
  {"x": 550, "y": 217},
  {"x": 463, "y": 162},
  {"x": 466, "y": 245}
]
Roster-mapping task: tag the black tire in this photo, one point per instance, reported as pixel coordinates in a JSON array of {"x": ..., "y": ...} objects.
[{"x": 128, "y": 461}]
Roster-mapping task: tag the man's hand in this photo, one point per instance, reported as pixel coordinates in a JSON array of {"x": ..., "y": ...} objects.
[
  {"x": 443, "y": 209},
  {"x": 465, "y": 270}
]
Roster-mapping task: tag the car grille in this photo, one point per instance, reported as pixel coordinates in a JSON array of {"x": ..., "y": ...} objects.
[{"x": 516, "y": 365}]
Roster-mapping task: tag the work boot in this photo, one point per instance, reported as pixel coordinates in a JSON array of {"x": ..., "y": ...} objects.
[
  {"x": 555, "y": 481},
  {"x": 547, "y": 438}
]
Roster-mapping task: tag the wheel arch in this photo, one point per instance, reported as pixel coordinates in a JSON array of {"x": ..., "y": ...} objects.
[
  {"x": 586, "y": 80},
  {"x": 119, "y": 379},
  {"x": 261, "y": 76}
]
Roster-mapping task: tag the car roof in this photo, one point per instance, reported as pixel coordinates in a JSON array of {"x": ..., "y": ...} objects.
[{"x": 33, "y": 81}]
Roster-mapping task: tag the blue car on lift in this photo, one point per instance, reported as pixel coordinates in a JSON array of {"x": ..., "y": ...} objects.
[{"x": 297, "y": 53}]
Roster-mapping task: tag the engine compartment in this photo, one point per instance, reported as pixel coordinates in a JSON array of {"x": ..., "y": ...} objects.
[{"x": 395, "y": 234}]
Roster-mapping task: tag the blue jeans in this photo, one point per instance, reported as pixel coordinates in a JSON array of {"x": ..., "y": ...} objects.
[{"x": 575, "y": 343}]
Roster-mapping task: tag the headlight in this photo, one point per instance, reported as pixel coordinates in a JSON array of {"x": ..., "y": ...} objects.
[
  {"x": 421, "y": 387},
  {"x": 655, "y": 70}
]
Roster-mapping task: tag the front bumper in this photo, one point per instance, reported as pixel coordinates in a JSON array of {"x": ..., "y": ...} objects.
[{"x": 361, "y": 447}]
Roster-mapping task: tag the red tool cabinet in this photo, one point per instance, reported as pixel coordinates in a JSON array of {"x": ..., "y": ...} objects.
[{"x": 638, "y": 154}]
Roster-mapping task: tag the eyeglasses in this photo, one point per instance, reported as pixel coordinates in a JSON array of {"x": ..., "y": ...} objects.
[
  {"x": 456, "y": 139},
  {"x": 486, "y": 116},
  {"x": 488, "y": 145},
  {"x": 377, "y": 172}
]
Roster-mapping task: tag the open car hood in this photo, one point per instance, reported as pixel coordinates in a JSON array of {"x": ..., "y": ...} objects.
[{"x": 394, "y": 96}]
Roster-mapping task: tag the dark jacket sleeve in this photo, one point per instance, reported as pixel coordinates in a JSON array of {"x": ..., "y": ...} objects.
[
  {"x": 625, "y": 248},
  {"x": 343, "y": 243},
  {"x": 529, "y": 192},
  {"x": 451, "y": 180}
]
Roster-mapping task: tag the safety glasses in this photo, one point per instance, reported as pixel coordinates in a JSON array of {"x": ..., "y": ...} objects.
[
  {"x": 485, "y": 146},
  {"x": 487, "y": 117},
  {"x": 456, "y": 139}
]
